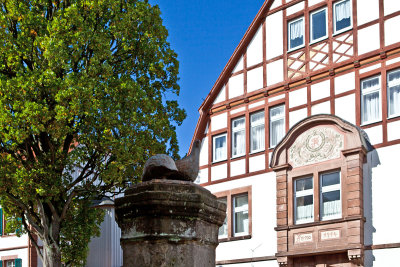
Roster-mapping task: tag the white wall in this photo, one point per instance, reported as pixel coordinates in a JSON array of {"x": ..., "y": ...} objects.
[
  {"x": 255, "y": 79},
  {"x": 255, "y": 49},
  {"x": 275, "y": 72},
  {"x": 236, "y": 86},
  {"x": 219, "y": 121},
  {"x": 274, "y": 40},
  {"x": 298, "y": 97},
  {"x": 345, "y": 83},
  {"x": 391, "y": 6},
  {"x": 367, "y": 10},
  {"x": 263, "y": 239},
  {"x": 320, "y": 90},
  {"x": 221, "y": 96},
  {"x": 392, "y": 30},
  {"x": 345, "y": 107},
  {"x": 368, "y": 39}
]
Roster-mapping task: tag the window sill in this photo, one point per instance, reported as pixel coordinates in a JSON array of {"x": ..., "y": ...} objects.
[
  {"x": 297, "y": 226},
  {"x": 370, "y": 123},
  {"x": 295, "y": 48},
  {"x": 393, "y": 116},
  {"x": 234, "y": 238},
  {"x": 342, "y": 31},
  {"x": 238, "y": 156},
  {"x": 318, "y": 40},
  {"x": 257, "y": 152}
]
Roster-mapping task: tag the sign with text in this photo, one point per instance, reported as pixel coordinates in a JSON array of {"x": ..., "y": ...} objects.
[
  {"x": 303, "y": 238},
  {"x": 327, "y": 235}
]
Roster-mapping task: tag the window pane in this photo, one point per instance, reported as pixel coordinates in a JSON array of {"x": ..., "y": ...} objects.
[
  {"x": 330, "y": 179},
  {"x": 304, "y": 184},
  {"x": 238, "y": 143},
  {"x": 257, "y": 141},
  {"x": 394, "y": 93},
  {"x": 220, "y": 147},
  {"x": 296, "y": 33},
  {"x": 331, "y": 204},
  {"x": 238, "y": 124},
  {"x": 223, "y": 230},
  {"x": 241, "y": 218},
  {"x": 304, "y": 208},
  {"x": 318, "y": 25},
  {"x": 277, "y": 125},
  {"x": 342, "y": 15},
  {"x": 371, "y": 107}
]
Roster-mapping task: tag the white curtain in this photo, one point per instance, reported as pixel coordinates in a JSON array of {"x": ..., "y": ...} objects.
[
  {"x": 305, "y": 212},
  {"x": 257, "y": 132},
  {"x": 277, "y": 131},
  {"x": 342, "y": 11},
  {"x": 239, "y": 137},
  {"x": 296, "y": 29},
  {"x": 332, "y": 208},
  {"x": 371, "y": 106},
  {"x": 220, "y": 148},
  {"x": 394, "y": 93}
]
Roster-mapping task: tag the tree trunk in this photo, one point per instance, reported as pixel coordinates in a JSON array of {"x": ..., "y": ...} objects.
[{"x": 51, "y": 255}]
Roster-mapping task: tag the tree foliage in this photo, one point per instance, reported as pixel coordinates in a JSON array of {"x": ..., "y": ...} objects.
[{"x": 84, "y": 89}]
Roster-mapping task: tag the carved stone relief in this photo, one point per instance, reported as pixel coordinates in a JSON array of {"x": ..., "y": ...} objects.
[{"x": 316, "y": 145}]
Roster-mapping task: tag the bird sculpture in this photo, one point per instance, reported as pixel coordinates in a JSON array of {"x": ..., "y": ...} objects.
[{"x": 162, "y": 166}]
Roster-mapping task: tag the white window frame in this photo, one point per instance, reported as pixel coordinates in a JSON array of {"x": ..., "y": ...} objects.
[
  {"x": 226, "y": 147},
  {"x": 311, "y": 25},
  {"x": 308, "y": 192},
  {"x": 10, "y": 263},
  {"x": 235, "y": 210},
  {"x": 290, "y": 49},
  {"x": 271, "y": 120},
  {"x": 335, "y": 32},
  {"x": 371, "y": 91},
  {"x": 326, "y": 189},
  {"x": 256, "y": 124},
  {"x": 389, "y": 85},
  {"x": 236, "y": 130}
]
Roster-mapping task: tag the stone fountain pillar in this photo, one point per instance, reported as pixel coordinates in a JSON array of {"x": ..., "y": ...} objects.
[{"x": 167, "y": 222}]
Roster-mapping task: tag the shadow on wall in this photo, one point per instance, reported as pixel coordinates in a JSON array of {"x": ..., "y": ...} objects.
[{"x": 372, "y": 162}]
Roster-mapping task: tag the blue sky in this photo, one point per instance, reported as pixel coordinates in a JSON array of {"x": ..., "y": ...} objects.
[{"x": 205, "y": 34}]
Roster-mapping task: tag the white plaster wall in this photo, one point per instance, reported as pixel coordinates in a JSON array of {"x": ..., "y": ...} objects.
[
  {"x": 296, "y": 116},
  {"x": 255, "y": 79},
  {"x": 295, "y": 8},
  {"x": 393, "y": 130},
  {"x": 219, "y": 121},
  {"x": 370, "y": 68},
  {"x": 275, "y": 98},
  {"x": 383, "y": 196},
  {"x": 321, "y": 108},
  {"x": 257, "y": 163},
  {"x": 382, "y": 257},
  {"x": 375, "y": 134},
  {"x": 275, "y": 72},
  {"x": 13, "y": 241},
  {"x": 221, "y": 96},
  {"x": 345, "y": 83},
  {"x": 298, "y": 97},
  {"x": 345, "y": 107},
  {"x": 320, "y": 90},
  {"x": 368, "y": 39},
  {"x": 393, "y": 60},
  {"x": 239, "y": 65},
  {"x": 238, "y": 167},
  {"x": 313, "y": 2},
  {"x": 274, "y": 40},
  {"x": 234, "y": 111},
  {"x": 203, "y": 160},
  {"x": 236, "y": 86},
  {"x": 257, "y": 104},
  {"x": 255, "y": 49},
  {"x": 367, "y": 10},
  {"x": 202, "y": 177},
  {"x": 263, "y": 239},
  {"x": 219, "y": 172},
  {"x": 21, "y": 254},
  {"x": 392, "y": 30},
  {"x": 276, "y": 4},
  {"x": 391, "y": 6}
]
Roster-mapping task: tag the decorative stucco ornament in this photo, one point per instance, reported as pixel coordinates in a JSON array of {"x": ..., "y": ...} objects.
[{"x": 316, "y": 145}]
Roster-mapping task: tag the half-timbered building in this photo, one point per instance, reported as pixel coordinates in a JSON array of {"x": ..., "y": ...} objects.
[{"x": 301, "y": 135}]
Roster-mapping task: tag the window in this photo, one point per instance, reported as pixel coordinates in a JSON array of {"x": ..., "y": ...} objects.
[
  {"x": 393, "y": 85},
  {"x": 304, "y": 200},
  {"x": 240, "y": 215},
  {"x": 11, "y": 262},
  {"x": 223, "y": 230},
  {"x": 219, "y": 145},
  {"x": 257, "y": 136},
  {"x": 342, "y": 16},
  {"x": 237, "y": 224},
  {"x": 370, "y": 100},
  {"x": 277, "y": 125},
  {"x": 331, "y": 206},
  {"x": 238, "y": 137},
  {"x": 296, "y": 33},
  {"x": 318, "y": 25}
]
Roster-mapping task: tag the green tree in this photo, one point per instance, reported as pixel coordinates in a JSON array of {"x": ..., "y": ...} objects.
[{"x": 87, "y": 91}]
